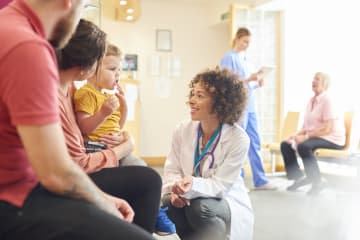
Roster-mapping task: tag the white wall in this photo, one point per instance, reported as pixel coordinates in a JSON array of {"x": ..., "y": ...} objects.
[
  {"x": 318, "y": 36},
  {"x": 321, "y": 36},
  {"x": 195, "y": 42}
]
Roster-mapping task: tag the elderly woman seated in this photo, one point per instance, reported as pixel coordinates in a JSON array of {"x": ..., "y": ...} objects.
[{"x": 322, "y": 128}]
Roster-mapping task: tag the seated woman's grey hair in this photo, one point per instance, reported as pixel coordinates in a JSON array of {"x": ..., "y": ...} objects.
[{"x": 325, "y": 78}]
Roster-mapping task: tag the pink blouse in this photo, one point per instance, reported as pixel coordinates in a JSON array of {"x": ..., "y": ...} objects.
[{"x": 319, "y": 110}]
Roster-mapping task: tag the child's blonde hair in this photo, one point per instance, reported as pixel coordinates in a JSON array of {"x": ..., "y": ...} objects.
[{"x": 112, "y": 50}]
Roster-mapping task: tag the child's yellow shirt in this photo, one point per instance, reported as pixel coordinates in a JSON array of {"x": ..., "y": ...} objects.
[{"x": 89, "y": 100}]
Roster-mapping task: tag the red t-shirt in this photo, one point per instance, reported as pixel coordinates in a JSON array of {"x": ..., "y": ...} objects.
[
  {"x": 28, "y": 94},
  {"x": 3, "y": 3}
]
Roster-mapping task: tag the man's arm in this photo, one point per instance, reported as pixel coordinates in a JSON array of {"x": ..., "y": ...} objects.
[{"x": 46, "y": 150}]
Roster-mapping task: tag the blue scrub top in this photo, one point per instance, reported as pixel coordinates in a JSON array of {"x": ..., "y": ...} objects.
[{"x": 237, "y": 63}]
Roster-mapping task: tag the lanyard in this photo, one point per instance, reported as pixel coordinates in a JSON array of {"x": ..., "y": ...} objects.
[{"x": 199, "y": 157}]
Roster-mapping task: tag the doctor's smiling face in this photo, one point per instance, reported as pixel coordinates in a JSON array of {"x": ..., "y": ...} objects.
[
  {"x": 217, "y": 95},
  {"x": 201, "y": 103}
]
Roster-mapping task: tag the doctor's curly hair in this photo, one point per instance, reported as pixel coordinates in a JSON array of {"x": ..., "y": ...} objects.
[{"x": 227, "y": 90}]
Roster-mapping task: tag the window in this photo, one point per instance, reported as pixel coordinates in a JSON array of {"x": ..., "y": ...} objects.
[{"x": 263, "y": 50}]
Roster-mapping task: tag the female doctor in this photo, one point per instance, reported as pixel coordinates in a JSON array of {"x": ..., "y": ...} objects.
[{"x": 202, "y": 185}]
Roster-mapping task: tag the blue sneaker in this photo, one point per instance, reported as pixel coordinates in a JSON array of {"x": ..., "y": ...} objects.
[{"x": 164, "y": 226}]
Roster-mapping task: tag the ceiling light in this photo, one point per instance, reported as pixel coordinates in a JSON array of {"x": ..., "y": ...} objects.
[
  {"x": 129, "y": 10},
  {"x": 129, "y": 18},
  {"x": 123, "y": 2}
]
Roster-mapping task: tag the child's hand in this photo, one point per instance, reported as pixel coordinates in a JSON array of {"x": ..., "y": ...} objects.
[
  {"x": 120, "y": 94},
  {"x": 120, "y": 90},
  {"x": 110, "y": 105}
]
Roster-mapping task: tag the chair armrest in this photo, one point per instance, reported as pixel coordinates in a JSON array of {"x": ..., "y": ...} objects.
[
  {"x": 274, "y": 147},
  {"x": 323, "y": 152},
  {"x": 265, "y": 145}
]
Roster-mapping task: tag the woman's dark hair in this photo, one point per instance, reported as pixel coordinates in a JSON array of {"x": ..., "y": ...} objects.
[
  {"x": 227, "y": 90},
  {"x": 85, "y": 48}
]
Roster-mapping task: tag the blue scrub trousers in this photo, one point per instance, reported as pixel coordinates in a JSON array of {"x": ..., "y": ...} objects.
[{"x": 249, "y": 123}]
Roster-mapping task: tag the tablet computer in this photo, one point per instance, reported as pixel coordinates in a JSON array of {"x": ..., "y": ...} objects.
[{"x": 265, "y": 70}]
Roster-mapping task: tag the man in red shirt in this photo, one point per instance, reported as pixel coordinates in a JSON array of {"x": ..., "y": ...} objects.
[
  {"x": 3, "y": 3},
  {"x": 41, "y": 188}
]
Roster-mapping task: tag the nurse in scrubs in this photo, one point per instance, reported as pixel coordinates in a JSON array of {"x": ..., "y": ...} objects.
[
  {"x": 202, "y": 184},
  {"x": 235, "y": 60}
]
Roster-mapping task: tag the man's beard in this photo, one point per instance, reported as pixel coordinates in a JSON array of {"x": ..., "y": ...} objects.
[{"x": 63, "y": 31}]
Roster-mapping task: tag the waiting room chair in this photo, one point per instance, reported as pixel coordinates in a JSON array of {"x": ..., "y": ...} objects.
[
  {"x": 352, "y": 128},
  {"x": 289, "y": 126}
]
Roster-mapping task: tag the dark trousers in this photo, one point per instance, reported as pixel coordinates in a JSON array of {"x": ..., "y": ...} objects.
[
  {"x": 306, "y": 152},
  {"x": 205, "y": 218},
  {"x": 48, "y": 216}
]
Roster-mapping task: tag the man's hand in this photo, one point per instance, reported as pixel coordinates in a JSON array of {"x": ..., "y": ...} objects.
[{"x": 125, "y": 210}]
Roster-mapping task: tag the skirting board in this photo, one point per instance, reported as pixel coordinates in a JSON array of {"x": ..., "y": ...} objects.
[
  {"x": 159, "y": 161},
  {"x": 154, "y": 161}
]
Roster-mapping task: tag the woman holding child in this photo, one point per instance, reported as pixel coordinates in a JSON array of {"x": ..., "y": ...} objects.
[{"x": 139, "y": 186}]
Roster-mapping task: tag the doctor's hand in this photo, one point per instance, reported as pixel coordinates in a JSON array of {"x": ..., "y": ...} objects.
[
  {"x": 183, "y": 186},
  {"x": 178, "y": 201}
]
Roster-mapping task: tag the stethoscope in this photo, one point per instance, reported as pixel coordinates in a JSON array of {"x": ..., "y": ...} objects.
[{"x": 198, "y": 158}]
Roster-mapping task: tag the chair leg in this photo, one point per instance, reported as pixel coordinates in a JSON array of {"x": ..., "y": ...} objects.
[
  {"x": 273, "y": 163},
  {"x": 273, "y": 172}
]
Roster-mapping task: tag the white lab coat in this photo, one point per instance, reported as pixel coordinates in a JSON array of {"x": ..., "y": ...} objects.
[{"x": 223, "y": 181}]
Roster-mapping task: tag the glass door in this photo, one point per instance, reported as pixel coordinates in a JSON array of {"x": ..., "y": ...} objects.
[{"x": 264, "y": 50}]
